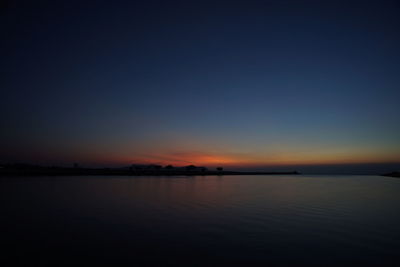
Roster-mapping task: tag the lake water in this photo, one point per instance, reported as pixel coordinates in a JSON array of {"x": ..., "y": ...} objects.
[{"x": 201, "y": 221}]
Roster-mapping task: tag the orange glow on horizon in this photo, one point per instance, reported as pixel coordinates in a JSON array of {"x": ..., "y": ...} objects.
[
  {"x": 246, "y": 161},
  {"x": 258, "y": 159}
]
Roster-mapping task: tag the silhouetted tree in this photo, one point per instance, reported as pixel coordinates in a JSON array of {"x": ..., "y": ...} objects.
[
  {"x": 157, "y": 167},
  {"x": 190, "y": 168},
  {"x": 154, "y": 167},
  {"x": 220, "y": 169},
  {"x": 169, "y": 167}
]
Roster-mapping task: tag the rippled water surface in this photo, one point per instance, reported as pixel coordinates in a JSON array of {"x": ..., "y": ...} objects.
[{"x": 201, "y": 221}]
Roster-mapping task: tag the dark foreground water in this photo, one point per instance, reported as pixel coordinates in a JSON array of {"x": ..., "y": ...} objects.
[{"x": 200, "y": 221}]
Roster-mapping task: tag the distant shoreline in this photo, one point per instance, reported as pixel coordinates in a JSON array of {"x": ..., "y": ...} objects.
[
  {"x": 57, "y": 171},
  {"x": 392, "y": 174}
]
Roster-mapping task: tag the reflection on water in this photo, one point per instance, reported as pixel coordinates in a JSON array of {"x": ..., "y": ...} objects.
[{"x": 198, "y": 221}]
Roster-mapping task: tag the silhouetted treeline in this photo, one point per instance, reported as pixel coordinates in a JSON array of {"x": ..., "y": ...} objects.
[{"x": 133, "y": 170}]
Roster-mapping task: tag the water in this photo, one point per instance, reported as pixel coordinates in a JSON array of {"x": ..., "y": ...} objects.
[{"x": 200, "y": 221}]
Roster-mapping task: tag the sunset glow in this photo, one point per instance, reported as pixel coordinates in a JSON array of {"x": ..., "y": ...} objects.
[{"x": 248, "y": 91}]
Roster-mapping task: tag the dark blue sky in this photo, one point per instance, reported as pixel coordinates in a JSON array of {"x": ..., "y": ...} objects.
[{"x": 237, "y": 83}]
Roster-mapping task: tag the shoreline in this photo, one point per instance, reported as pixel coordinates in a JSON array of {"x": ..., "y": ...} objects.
[
  {"x": 122, "y": 172},
  {"x": 392, "y": 174}
]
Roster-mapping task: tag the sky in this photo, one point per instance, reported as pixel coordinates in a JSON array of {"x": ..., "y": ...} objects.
[{"x": 239, "y": 84}]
